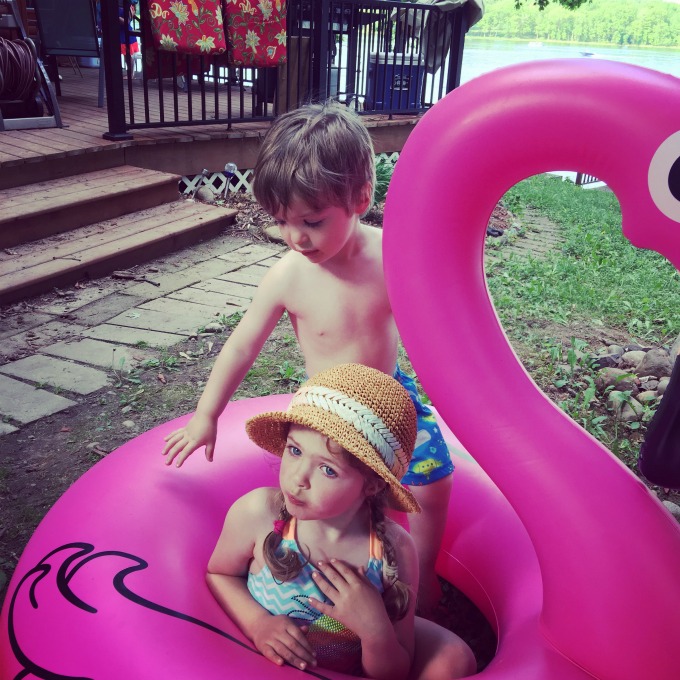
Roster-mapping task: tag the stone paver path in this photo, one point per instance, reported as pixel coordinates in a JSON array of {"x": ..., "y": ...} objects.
[{"x": 53, "y": 352}]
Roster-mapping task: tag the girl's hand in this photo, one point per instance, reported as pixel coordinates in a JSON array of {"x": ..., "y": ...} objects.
[
  {"x": 281, "y": 641},
  {"x": 357, "y": 603}
]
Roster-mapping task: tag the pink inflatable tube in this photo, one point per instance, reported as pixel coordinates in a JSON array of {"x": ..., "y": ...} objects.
[
  {"x": 609, "y": 588},
  {"x": 111, "y": 585}
]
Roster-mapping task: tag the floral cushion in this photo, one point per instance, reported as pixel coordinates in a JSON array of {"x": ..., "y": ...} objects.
[
  {"x": 188, "y": 26},
  {"x": 256, "y": 33}
]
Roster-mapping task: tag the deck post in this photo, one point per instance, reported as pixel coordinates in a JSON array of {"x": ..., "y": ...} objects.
[
  {"x": 115, "y": 101},
  {"x": 459, "y": 27}
]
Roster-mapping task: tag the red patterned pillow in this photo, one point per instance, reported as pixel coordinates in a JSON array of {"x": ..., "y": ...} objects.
[
  {"x": 188, "y": 26},
  {"x": 256, "y": 32}
]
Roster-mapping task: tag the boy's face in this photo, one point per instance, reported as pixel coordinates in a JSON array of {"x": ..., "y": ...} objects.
[{"x": 317, "y": 234}]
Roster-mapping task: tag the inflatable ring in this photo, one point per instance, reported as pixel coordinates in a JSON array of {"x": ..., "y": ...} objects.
[
  {"x": 112, "y": 583},
  {"x": 608, "y": 551}
]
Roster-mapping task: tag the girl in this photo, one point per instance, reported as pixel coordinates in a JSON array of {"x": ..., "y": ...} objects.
[{"x": 313, "y": 572}]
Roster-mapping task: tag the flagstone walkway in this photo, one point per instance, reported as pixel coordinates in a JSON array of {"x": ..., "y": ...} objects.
[{"x": 56, "y": 348}]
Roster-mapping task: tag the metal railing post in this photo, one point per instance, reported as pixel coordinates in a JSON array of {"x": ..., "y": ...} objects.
[
  {"x": 115, "y": 100},
  {"x": 321, "y": 17},
  {"x": 459, "y": 27}
]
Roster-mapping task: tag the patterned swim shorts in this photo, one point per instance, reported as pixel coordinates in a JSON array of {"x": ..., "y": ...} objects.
[{"x": 431, "y": 458}]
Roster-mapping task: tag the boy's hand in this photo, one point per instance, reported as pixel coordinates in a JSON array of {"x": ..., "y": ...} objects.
[
  {"x": 199, "y": 431},
  {"x": 357, "y": 603},
  {"x": 281, "y": 641}
]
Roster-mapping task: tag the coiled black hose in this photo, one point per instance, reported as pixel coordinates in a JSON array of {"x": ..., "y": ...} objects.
[{"x": 18, "y": 61}]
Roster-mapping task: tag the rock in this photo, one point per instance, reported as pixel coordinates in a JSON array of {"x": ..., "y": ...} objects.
[
  {"x": 605, "y": 360},
  {"x": 206, "y": 194},
  {"x": 673, "y": 509},
  {"x": 273, "y": 233},
  {"x": 663, "y": 384},
  {"x": 647, "y": 397},
  {"x": 616, "y": 378},
  {"x": 675, "y": 348},
  {"x": 648, "y": 383},
  {"x": 615, "y": 349},
  {"x": 213, "y": 327},
  {"x": 632, "y": 358},
  {"x": 655, "y": 362},
  {"x": 130, "y": 424},
  {"x": 628, "y": 409},
  {"x": 633, "y": 347}
]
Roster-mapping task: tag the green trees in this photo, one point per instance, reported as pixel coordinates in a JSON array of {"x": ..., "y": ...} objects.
[
  {"x": 617, "y": 22},
  {"x": 542, "y": 4}
]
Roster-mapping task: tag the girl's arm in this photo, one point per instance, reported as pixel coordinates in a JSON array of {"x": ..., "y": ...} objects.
[
  {"x": 387, "y": 647},
  {"x": 233, "y": 362},
  {"x": 278, "y": 638}
]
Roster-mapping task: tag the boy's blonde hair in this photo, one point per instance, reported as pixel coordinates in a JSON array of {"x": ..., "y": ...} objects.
[{"x": 320, "y": 154}]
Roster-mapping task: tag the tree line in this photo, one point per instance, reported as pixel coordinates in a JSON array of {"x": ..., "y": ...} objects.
[{"x": 655, "y": 23}]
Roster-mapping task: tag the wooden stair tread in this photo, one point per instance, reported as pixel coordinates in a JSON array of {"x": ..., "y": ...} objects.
[
  {"x": 31, "y": 273},
  {"x": 64, "y": 183},
  {"x": 72, "y": 244},
  {"x": 46, "y": 197}
]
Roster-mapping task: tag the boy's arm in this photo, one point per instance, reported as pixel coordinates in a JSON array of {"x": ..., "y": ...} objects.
[
  {"x": 232, "y": 364},
  {"x": 278, "y": 638}
]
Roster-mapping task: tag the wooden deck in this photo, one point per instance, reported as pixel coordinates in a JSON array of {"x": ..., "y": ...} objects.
[{"x": 35, "y": 155}]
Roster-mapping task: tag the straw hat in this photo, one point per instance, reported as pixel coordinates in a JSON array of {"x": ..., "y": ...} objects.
[{"x": 364, "y": 410}]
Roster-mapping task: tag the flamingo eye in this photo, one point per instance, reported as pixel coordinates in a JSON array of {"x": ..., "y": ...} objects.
[{"x": 664, "y": 177}]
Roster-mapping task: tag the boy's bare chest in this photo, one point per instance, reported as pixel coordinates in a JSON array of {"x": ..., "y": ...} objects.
[{"x": 329, "y": 306}]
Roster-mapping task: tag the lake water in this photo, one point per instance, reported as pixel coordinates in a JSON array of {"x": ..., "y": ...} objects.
[{"x": 482, "y": 55}]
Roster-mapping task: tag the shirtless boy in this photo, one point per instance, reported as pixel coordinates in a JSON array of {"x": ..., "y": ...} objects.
[{"x": 315, "y": 175}]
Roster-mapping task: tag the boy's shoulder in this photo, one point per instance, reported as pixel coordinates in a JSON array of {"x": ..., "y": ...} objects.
[
  {"x": 373, "y": 237},
  {"x": 373, "y": 233}
]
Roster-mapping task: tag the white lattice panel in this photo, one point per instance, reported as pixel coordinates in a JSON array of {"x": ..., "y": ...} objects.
[{"x": 217, "y": 181}]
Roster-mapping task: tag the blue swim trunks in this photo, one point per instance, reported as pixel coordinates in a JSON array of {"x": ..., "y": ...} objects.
[{"x": 431, "y": 458}]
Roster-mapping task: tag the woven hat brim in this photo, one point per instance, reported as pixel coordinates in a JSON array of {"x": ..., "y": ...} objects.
[{"x": 270, "y": 432}]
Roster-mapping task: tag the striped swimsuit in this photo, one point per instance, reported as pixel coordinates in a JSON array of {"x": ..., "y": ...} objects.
[{"x": 337, "y": 648}]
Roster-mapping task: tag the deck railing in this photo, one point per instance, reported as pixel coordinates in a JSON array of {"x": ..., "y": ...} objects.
[{"x": 376, "y": 55}]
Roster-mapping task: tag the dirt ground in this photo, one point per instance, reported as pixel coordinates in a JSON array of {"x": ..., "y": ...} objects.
[{"x": 40, "y": 461}]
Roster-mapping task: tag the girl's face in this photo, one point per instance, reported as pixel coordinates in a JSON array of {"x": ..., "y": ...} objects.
[
  {"x": 316, "y": 483},
  {"x": 318, "y": 235}
]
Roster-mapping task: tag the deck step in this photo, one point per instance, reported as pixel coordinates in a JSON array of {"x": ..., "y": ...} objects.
[
  {"x": 98, "y": 249},
  {"x": 35, "y": 211}
]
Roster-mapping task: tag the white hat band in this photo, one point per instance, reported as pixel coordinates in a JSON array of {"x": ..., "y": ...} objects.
[{"x": 362, "y": 418}]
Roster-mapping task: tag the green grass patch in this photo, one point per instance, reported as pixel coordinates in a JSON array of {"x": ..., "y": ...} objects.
[
  {"x": 597, "y": 274},
  {"x": 596, "y": 284}
]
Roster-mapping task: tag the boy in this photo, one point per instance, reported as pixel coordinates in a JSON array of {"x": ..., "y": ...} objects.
[{"x": 315, "y": 174}]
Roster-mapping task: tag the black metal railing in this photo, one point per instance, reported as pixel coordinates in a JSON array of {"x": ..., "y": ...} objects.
[
  {"x": 376, "y": 55},
  {"x": 584, "y": 178}
]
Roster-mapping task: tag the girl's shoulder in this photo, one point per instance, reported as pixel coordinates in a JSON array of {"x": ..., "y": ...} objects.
[
  {"x": 397, "y": 535},
  {"x": 404, "y": 548},
  {"x": 258, "y": 505}
]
